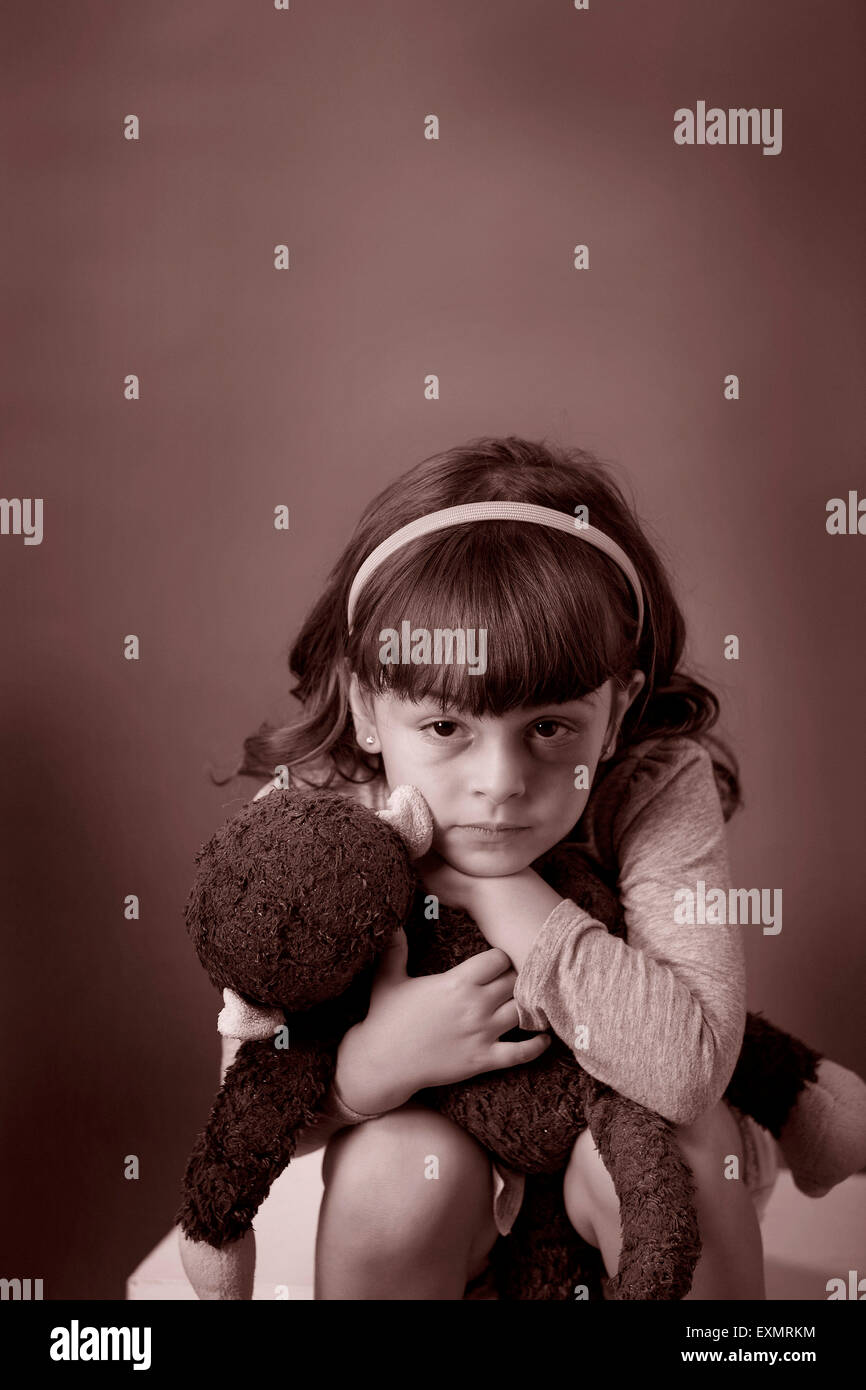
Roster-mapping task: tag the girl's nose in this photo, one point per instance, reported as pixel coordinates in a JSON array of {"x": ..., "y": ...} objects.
[{"x": 497, "y": 775}]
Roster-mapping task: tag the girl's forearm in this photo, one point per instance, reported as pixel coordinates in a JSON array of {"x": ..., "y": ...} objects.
[
  {"x": 335, "y": 1115},
  {"x": 511, "y": 911},
  {"x": 352, "y": 1098},
  {"x": 358, "y": 1080}
]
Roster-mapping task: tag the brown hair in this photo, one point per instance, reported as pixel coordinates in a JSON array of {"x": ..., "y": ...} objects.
[{"x": 560, "y": 615}]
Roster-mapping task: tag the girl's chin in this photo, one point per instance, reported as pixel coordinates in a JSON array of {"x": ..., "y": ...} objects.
[{"x": 492, "y": 862}]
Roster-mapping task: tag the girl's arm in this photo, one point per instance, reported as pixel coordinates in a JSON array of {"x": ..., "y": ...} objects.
[{"x": 660, "y": 1019}]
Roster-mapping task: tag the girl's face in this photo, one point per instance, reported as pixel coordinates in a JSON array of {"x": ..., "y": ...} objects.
[{"x": 517, "y": 771}]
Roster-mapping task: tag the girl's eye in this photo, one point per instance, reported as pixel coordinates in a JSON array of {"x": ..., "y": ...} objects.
[
  {"x": 550, "y": 723},
  {"x": 437, "y": 722}
]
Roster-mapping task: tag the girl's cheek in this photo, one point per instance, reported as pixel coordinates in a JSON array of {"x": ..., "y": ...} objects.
[
  {"x": 559, "y": 763},
  {"x": 432, "y": 755},
  {"x": 438, "y": 841}
]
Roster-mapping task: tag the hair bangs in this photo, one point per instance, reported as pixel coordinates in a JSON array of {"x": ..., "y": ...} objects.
[{"x": 557, "y": 620}]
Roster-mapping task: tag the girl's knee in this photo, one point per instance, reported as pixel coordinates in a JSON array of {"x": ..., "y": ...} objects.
[
  {"x": 409, "y": 1142},
  {"x": 587, "y": 1180},
  {"x": 730, "y": 1265},
  {"x": 409, "y": 1172},
  {"x": 591, "y": 1201},
  {"x": 706, "y": 1144},
  {"x": 710, "y": 1142},
  {"x": 407, "y": 1210},
  {"x": 590, "y": 1198}
]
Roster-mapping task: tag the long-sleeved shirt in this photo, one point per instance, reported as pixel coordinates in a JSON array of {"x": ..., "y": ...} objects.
[
  {"x": 665, "y": 1012},
  {"x": 661, "y": 1017}
]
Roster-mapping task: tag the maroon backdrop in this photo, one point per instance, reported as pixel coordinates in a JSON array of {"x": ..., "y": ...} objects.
[{"x": 305, "y": 387}]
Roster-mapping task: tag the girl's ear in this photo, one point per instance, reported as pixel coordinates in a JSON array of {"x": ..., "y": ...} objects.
[
  {"x": 635, "y": 685},
  {"x": 622, "y": 698},
  {"x": 362, "y": 716}
]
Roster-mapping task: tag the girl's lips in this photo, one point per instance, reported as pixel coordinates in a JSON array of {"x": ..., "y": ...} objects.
[{"x": 500, "y": 832}]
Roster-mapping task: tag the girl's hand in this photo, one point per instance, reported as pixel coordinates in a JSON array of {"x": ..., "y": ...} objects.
[{"x": 431, "y": 1030}]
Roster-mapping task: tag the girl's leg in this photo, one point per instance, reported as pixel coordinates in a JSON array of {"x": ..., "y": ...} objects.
[
  {"x": 389, "y": 1228},
  {"x": 731, "y": 1264}
]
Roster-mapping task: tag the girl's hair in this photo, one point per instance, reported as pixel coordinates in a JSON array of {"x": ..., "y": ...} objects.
[{"x": 559, "y": 614}]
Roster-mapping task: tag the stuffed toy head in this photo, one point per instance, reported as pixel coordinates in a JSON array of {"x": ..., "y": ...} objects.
[{"x": 298, "y": 894}]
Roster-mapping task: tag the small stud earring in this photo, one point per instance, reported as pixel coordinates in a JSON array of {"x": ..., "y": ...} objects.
[{"x": 370, "y": 739}]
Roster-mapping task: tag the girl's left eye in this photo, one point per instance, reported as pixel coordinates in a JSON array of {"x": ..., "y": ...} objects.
[{"x": 549, "y": 727}]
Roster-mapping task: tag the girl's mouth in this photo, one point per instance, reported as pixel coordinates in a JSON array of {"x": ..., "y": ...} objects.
[{"x": 487, "y": 832}]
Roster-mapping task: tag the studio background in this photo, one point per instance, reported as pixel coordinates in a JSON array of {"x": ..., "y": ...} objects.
[{"x": 305, "y": 387}]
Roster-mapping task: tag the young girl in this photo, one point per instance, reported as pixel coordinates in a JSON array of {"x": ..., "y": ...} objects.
[{"x": 580, "y": 726}]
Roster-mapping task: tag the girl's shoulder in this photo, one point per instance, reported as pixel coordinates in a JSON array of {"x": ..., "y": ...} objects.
[
  {"x": 672, "y": 766},
  {"x": 645, "y": 767}
]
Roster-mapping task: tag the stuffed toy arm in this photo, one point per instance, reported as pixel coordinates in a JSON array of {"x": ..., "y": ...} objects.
[{"x": 267, "y": 1098}]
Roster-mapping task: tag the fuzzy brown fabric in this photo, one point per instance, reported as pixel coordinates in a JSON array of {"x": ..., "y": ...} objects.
[
  {"x": 530, "y": 1117},
  {"x": 293, "y": 902}
]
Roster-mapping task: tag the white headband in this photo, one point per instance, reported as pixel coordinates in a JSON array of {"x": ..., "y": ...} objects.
[{"x": 496, "y": 511}]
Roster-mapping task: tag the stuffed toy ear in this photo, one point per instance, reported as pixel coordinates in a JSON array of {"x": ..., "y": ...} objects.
[
  {"x": 407, "y": 812},
  {"x": 238, "y": 1018}
]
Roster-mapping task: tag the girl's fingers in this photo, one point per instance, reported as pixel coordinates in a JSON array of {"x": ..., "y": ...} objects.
[
  {"x": 505, "y": 1018},
  {"x": 487, "y": 966},
  {"x": 512, "y": 1054},
  {"x": 500, "y": 990}
]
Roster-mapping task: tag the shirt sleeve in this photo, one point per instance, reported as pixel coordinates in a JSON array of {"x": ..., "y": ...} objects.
[{"x": 660, "y": 1018}]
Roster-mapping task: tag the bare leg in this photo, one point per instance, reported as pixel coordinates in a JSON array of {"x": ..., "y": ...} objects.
[
  {"x": 388, "y": 1228},
  {"x": 731, "y": 1264}
]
